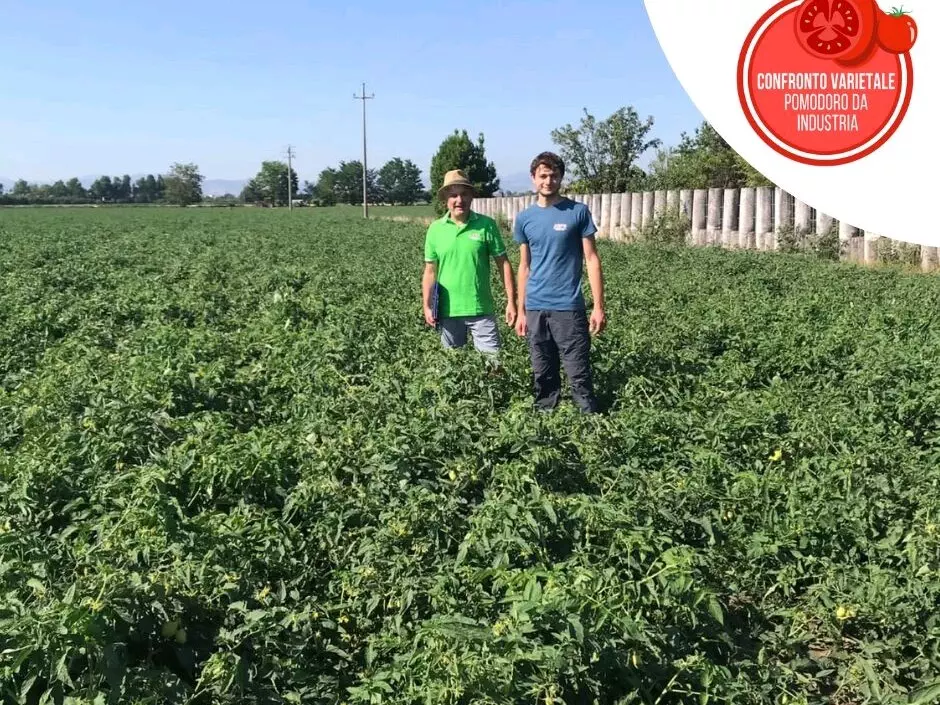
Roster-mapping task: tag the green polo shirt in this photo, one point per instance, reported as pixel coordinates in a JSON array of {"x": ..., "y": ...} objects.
[{"x": 462, "y": 255}]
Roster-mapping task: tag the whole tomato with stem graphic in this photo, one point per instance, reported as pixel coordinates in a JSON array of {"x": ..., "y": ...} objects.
[
  {"x": 842, "y": 30},
  {"x": 897, "y": 31}
]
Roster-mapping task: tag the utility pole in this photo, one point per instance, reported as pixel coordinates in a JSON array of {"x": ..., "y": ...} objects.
[
  {"x": 290, "y": 197},
  {"x": 365, "y": 168}
]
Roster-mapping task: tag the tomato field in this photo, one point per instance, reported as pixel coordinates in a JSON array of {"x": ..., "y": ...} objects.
[{"x": 236, "y": 467}]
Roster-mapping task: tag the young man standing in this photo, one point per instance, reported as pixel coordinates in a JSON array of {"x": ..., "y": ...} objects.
[
  {"x": 457, "y": 251},
  {"x": 556, "y": 238}
]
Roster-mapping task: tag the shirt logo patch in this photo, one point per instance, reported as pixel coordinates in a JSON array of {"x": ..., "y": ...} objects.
[
  {"x": 561, "y": 227},
  {"x": 475, "y": 236}
]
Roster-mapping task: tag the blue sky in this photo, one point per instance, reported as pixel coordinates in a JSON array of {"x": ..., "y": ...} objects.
[{"x": 105, "y": 87}]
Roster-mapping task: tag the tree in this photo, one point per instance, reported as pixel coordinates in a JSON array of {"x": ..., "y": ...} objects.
[
  {"x": 21, "y": 188},
  {"x": 252, "y": 192},
  {"x": 271, "y": 184},
  {"x": 101, "y": 189},
  {"x": 325, "y": 191},
  {"x": 347, "y": 184},
  {"x": 458, "y": 152},
  {"x": 400, "y": 181},
  {"x": 125, "y": 190},
  {"x": 59, "y": 190},
  {"x": 602, "y": 156},
  {"x": 145, "y": 189},
  {"x": 75, "y": 190},
  {"x": 184, "y": 184},
  {"x": 704, "y": 160}
]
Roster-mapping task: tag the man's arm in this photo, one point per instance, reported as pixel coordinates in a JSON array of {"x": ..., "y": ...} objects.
[
  {"x": 427, "y": 284},
  {"x": 497, "y": 249},
  {"x": 505, "y": 266},
  {"x": 596, "y": 280},
  {"x": 522, "y": 278}
]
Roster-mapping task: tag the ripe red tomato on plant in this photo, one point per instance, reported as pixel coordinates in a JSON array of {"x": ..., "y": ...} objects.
[
  {"x": 842, "y": 30},
  {"x": 897, "y": 31}
]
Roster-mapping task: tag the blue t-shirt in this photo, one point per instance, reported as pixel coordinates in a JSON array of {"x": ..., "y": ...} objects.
[{"x": 554, "y": 235}]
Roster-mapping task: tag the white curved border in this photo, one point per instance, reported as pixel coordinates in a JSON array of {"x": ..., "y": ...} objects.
[{"x": 783, "y": 145}]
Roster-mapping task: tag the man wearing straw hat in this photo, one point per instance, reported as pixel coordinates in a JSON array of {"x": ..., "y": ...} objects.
[
  {"x": 457, "y": 251},
  {"x": 556, "y": 240}
]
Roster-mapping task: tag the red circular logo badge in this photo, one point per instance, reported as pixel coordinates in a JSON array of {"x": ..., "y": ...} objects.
[{"x": 827, "y": 82}]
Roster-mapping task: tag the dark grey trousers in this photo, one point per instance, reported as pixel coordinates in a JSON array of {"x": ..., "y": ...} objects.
[{"x": 559, "y": 338}]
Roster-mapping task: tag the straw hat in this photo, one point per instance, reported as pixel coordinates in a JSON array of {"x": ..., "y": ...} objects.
[{"x": 455, "y": 177}]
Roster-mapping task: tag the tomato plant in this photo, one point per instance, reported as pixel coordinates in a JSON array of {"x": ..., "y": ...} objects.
[
  {"x": 897, "y": 31},
  {"x": 225, "y": 483},
  {"x": 837, "y": 29}
]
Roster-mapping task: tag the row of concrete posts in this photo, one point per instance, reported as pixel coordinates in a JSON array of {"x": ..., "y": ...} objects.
[{"x": 747, "y": 218}]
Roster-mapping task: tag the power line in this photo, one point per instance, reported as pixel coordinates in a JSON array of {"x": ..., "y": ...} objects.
[
  {"x": 290, "y": 198},
  {"x": 365, "y": 194}
]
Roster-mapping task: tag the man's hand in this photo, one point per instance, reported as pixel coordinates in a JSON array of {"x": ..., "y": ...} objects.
[
  {"x": 521, "y": 327},
  {"x": 429, "y": 316},
  {"x": 598, "y": 320},
  {"x": 510, "y": 314}
]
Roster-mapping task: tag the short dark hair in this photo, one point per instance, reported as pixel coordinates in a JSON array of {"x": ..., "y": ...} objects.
[{"x": 549, "y": 159}]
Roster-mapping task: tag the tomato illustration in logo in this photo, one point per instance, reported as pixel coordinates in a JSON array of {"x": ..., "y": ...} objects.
[
  {"x": 897, "y": 31},
  {"x": 837, "y": 29}
]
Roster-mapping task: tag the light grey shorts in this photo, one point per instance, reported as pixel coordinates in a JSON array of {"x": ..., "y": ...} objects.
[{"x": 483, "y": 329}]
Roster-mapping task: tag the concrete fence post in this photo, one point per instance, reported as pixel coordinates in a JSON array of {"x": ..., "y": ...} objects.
[
  {"x": 783, "y": 214},
  {"x": 685, "y": 211},
  {"x": 672, "y": 203},
  {"x": 803, "y": 217},
  {"x": 595, "y": 206},
  {"x": 713, "y": 228},
  {"x": 823, "y": 223},
  {"x": 659, "y": 204},
  {"x": 699, "y": 216},
  {"x": 613, "y": 224},
  {"x": 636, "y": 214},
  {"x": 604, "y": 227},
  {"x": 929, "y": 258},
  {"x": 872, "y": 241},
  {"x": 729, "y": 217},
  {"x": 649, "y": 201},
  {"x": 746, "y": 222},
  {"x": 764, "y": 218},
  {"x": 626, "y": 209},
  {"x": 848, "y": 237}
]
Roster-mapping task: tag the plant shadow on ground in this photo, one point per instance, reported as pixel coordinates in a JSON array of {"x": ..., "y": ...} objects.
[
  {"x": 611, "y": 381},
  {"x": 562, "y": 470}
]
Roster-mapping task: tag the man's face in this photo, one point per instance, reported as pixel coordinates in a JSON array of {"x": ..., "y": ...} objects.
[
  {"x": 546, "y": 180},
  {"x": 459, "y": 199}
]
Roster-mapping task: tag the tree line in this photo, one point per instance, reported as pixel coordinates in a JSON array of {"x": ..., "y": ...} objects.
[
  {"x": 119, "y": 189},
  {"x": 181, "y": 185},
  {"x": 397, "y": 183},
  {"x": 602, "y": 156}
]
